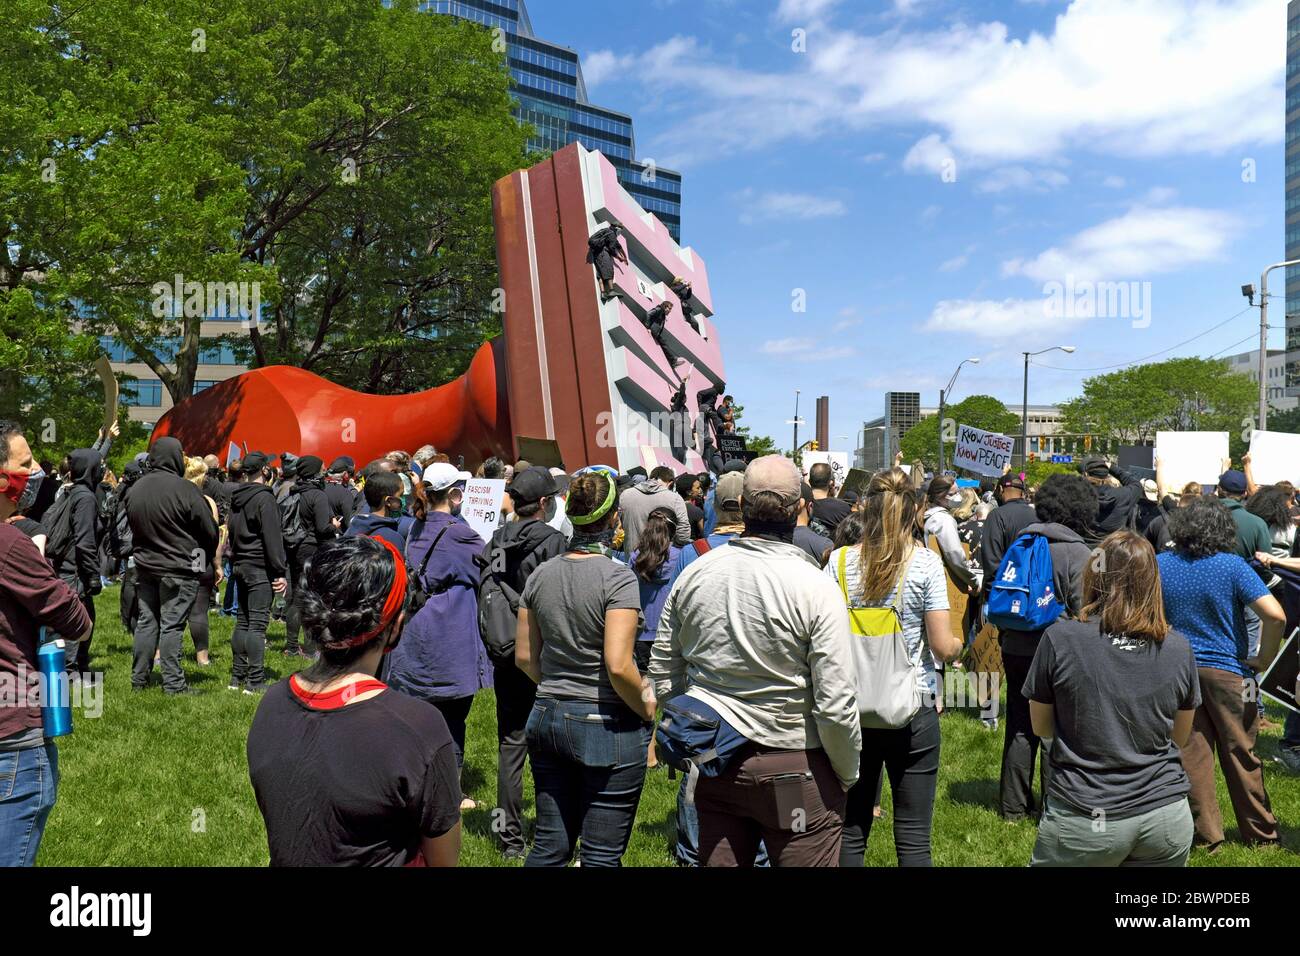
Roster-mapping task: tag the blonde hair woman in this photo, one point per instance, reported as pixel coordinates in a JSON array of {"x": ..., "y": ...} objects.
[
  {"x": 891, "y": 566},
  {"x": 196, "y": 470}
]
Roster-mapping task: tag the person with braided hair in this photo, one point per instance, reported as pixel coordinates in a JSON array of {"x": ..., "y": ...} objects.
[
  {"x": 347, "y": 772},
  {"x": 589, "y": 731}
]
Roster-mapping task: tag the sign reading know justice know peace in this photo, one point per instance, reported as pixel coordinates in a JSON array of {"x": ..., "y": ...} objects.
[{"x": 985, "y": 453}]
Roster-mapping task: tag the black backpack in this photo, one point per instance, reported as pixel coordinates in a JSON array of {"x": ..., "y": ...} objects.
[
  {"x": 293, "y": 526},
  {"x": 498, "y": 602},
  {"x": 58, "y": 527},
  {"x": 120, "y": 542}
]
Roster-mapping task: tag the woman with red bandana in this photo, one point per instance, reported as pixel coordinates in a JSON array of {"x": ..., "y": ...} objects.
[{"x": 346, "y": 771}]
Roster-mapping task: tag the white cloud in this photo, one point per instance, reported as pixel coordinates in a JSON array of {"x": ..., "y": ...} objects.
[
  {"x": 1140, "y": 243},
  {"x": 994, "y": 319},
  {"x": 1159, "y": 195},
  {"x": 1114, "y": 77},
  {"x": 953, "y": 264},
  {"x": 845, "y": 324},
  {"x": 785, "y": 346},
  {"x": 1021, "y": 179},
  {"x": 930, "y": 213},
  {"x": 830, "y": 354},
  {"x": 1114, "y": 182},
  {"x": 874, "y": 157},
  {"x": 782, "y": 205},
  {"x": 601, "y": 65},
  {"x": 929, "y": 154}
]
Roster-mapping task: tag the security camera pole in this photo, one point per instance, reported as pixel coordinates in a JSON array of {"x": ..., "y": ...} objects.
[{"x": 1248, "y": 292}]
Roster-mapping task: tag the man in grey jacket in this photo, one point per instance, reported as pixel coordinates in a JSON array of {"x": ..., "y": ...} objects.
[
  {"x": 636, "y": 503},
  {"x": 764, "y": 637}
]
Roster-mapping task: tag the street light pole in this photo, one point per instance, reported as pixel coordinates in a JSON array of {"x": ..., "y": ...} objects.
[
  {"x": 1024, "y": 407},
  {"x": 795, "y": 445},
  {"x": 1263, "y": 340}
]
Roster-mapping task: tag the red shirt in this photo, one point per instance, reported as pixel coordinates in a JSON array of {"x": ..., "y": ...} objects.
[{"x": 31, "y": 596}]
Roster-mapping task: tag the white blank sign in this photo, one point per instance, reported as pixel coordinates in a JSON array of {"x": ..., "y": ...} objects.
[
  {"x": 1274, "y": 457},
  {"x": 1191, "y": 456}
]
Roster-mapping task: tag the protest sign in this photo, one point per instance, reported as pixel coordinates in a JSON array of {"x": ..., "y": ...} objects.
[
  {"x": 985, "y": 453},
  {"x": 838, "y": 460},
  {"x": 109, "y": 381},
  {"x": 856, "y": 481},
  {"x": 1191, "y": 456},
  {"x": 539, "y": 451},
  {"x": 1274, "y": 457},
  {"x": 1281, "y": 680},
  {"x": 732, "y": 446},
  {"x": 481, "y": 508}
]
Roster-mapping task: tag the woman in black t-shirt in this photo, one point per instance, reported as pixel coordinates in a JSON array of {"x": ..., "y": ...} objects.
[
  {"x": 1113, "y": 696},
  {"x": 347, "y": 772}
]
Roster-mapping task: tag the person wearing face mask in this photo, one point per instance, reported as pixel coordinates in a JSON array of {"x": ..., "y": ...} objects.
[
  {"x": 259, "y": 567},
  {"x": 941, "y": 497},
  {"x": 346, "y": 771},
  {"x": 321, "y": 526},
  {"x": 31, "y": 597},
  {"x": 442, "y": 658}
]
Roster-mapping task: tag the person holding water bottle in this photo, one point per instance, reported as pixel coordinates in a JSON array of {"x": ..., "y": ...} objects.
[{"x": 31, "y": 598}]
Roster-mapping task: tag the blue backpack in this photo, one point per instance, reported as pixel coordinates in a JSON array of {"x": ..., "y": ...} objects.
[{"x": 1023, "y": 597}]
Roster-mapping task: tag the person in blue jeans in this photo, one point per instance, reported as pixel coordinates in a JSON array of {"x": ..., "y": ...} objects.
[
  {"x": 589, "y": 729},
  {"x": 31, "y": 597}
]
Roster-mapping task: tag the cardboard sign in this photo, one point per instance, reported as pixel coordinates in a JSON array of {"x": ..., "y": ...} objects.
[
  {"x": 481, "y": 507},
  {"x": 856, "y": 481},
  {"x": 539, "y": 451},
  {"x": 1191, "y": 456},
  {"x": 1274, "y": 457},
  {"x": 732, "y": 446},
  {"x": 109, "y": 381},
  {"x": 1282, "y": 679},
  {"x": 232, "y": 453},
  {"x": 985, "y": 453}
]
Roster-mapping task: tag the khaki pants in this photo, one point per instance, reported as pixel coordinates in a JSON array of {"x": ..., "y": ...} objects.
[{"x": 1227, "y": 723}]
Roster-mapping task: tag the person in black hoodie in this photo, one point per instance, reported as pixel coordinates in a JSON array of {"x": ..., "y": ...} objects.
[
  {"x": 1117, "y": 507},
  {"x": 260, "y": 568},
  {"x": 78, "y": 566},
  {"x": 338, "y": 489},
  {"x": 514, "y": 553},
  {"x": 383, "y": 496},
  {"x": 174, "y": 540},
  {"x": 321, "y": 525},
  {"x": 1005, "y": 523}
]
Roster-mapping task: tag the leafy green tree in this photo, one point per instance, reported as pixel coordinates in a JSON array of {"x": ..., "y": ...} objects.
[
  {"x": 1181, "y": 394},
  {"x": 760, "y": 445},
  {"x": 921, "y": 442},
  {"x": 335, "y": 156}
]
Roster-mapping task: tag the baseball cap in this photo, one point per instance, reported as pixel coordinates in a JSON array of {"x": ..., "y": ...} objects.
[
  {"x": 1233, "y": 482},
  {"x": 532, "y": 484},
  {"x": 774, "y": 473},
  {"x": 342, "y": 464},
  {"x": 1096, "y": 467},
  {"x": 730, "y": 487},
  {"x": 733, "y": 464},
  {"x": 1011, "y": 481},
  {"x": 254, "y": 462},
  {"x": 1150, "y": 489},
  {"x": 441, "y": 475}
]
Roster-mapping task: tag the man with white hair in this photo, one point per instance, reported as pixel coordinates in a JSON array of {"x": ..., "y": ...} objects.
[{"x": 756, "y": 632}]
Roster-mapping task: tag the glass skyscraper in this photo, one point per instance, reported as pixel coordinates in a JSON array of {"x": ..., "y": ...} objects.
[
  {"x": 550, "y": 93},
  {"x": 1292, "y": 218}
]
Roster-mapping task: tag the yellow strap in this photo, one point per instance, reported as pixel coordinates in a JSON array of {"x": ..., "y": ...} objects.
[{"x": 844, "y": 587}]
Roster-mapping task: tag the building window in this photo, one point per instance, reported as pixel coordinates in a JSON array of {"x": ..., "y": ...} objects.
[{"x": 145, "y": 393}]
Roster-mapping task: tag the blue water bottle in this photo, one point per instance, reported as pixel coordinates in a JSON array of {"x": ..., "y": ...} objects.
[{"x": 56, "y": 709}]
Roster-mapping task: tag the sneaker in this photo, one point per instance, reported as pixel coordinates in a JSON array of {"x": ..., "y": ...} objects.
[
  {"x": 255, "y": 690},
  {"x": 1289, "y": 757},
  {"x": 233, "y": 685},
  {"x": 514, "y": 852}
]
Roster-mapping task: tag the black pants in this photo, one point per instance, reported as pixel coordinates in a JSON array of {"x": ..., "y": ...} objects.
[
  {"x": 248, "y": 642},
  {"x": 1020, "y": 746},
  {"x": 127, "y": 606},
  {"x": 456, "y": 712},
  {"x": 605, "y": 265},
  {"x": 78, "y": 660},
  {"x": 199, "y": 612},
  {"x": 910, "y": 755},
  {"x": 165, "y": 604},
  {"x": 515, "y": 693},
  {"x": 298, "y": 561}
]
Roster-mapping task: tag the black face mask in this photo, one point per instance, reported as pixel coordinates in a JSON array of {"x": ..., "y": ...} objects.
[{"x": 770, "y": 531}]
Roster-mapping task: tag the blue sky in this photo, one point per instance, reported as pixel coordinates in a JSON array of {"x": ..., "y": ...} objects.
[{"x": 925, "y": 169}]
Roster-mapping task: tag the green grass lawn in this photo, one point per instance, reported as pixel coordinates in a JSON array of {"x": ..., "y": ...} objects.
[{"x": 162, "y": 782}]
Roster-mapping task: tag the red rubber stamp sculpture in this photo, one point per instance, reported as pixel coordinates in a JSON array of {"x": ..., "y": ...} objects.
[{"x": 612, "y": 369}]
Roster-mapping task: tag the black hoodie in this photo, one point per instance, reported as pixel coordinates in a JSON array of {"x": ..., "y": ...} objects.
[
  {"x": 82, "y": 559},
  {"x": 526, "y": 544},
  {"x": 172, "y": 529},
  {"x": 316, "y": 510},
  {"x": 255, "y": 536}
]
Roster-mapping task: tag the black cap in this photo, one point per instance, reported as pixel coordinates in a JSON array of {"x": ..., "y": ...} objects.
[
  {"x": 532, "y": 484},
  {"x": 1011, "y": 481},
  {"x": 638, "y": 472},
  {"x": 254, "y": 462},
  {"x": 735, "y": 464},
  {"x": 1096, "y": 467},
  {"x": 342, "y": 464},
  {"x": 307, "y": 467}
]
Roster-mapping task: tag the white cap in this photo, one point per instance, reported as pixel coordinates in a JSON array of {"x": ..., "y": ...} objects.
[{"x": 440, "y": 476}]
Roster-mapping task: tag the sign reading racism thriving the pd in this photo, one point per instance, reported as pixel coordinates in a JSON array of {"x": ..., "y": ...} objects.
[{"x": 985, "y": 453}]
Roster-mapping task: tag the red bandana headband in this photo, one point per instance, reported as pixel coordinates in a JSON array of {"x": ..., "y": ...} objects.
[{"x": 395, "y": 601}]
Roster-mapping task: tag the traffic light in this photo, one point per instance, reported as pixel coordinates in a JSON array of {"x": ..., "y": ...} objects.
[
  {"x": 1033, "y": 456},
  {"x": 812, "y": 445}
]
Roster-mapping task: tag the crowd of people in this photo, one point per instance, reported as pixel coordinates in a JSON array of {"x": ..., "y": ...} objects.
[{"x": 779, "y": 642}]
